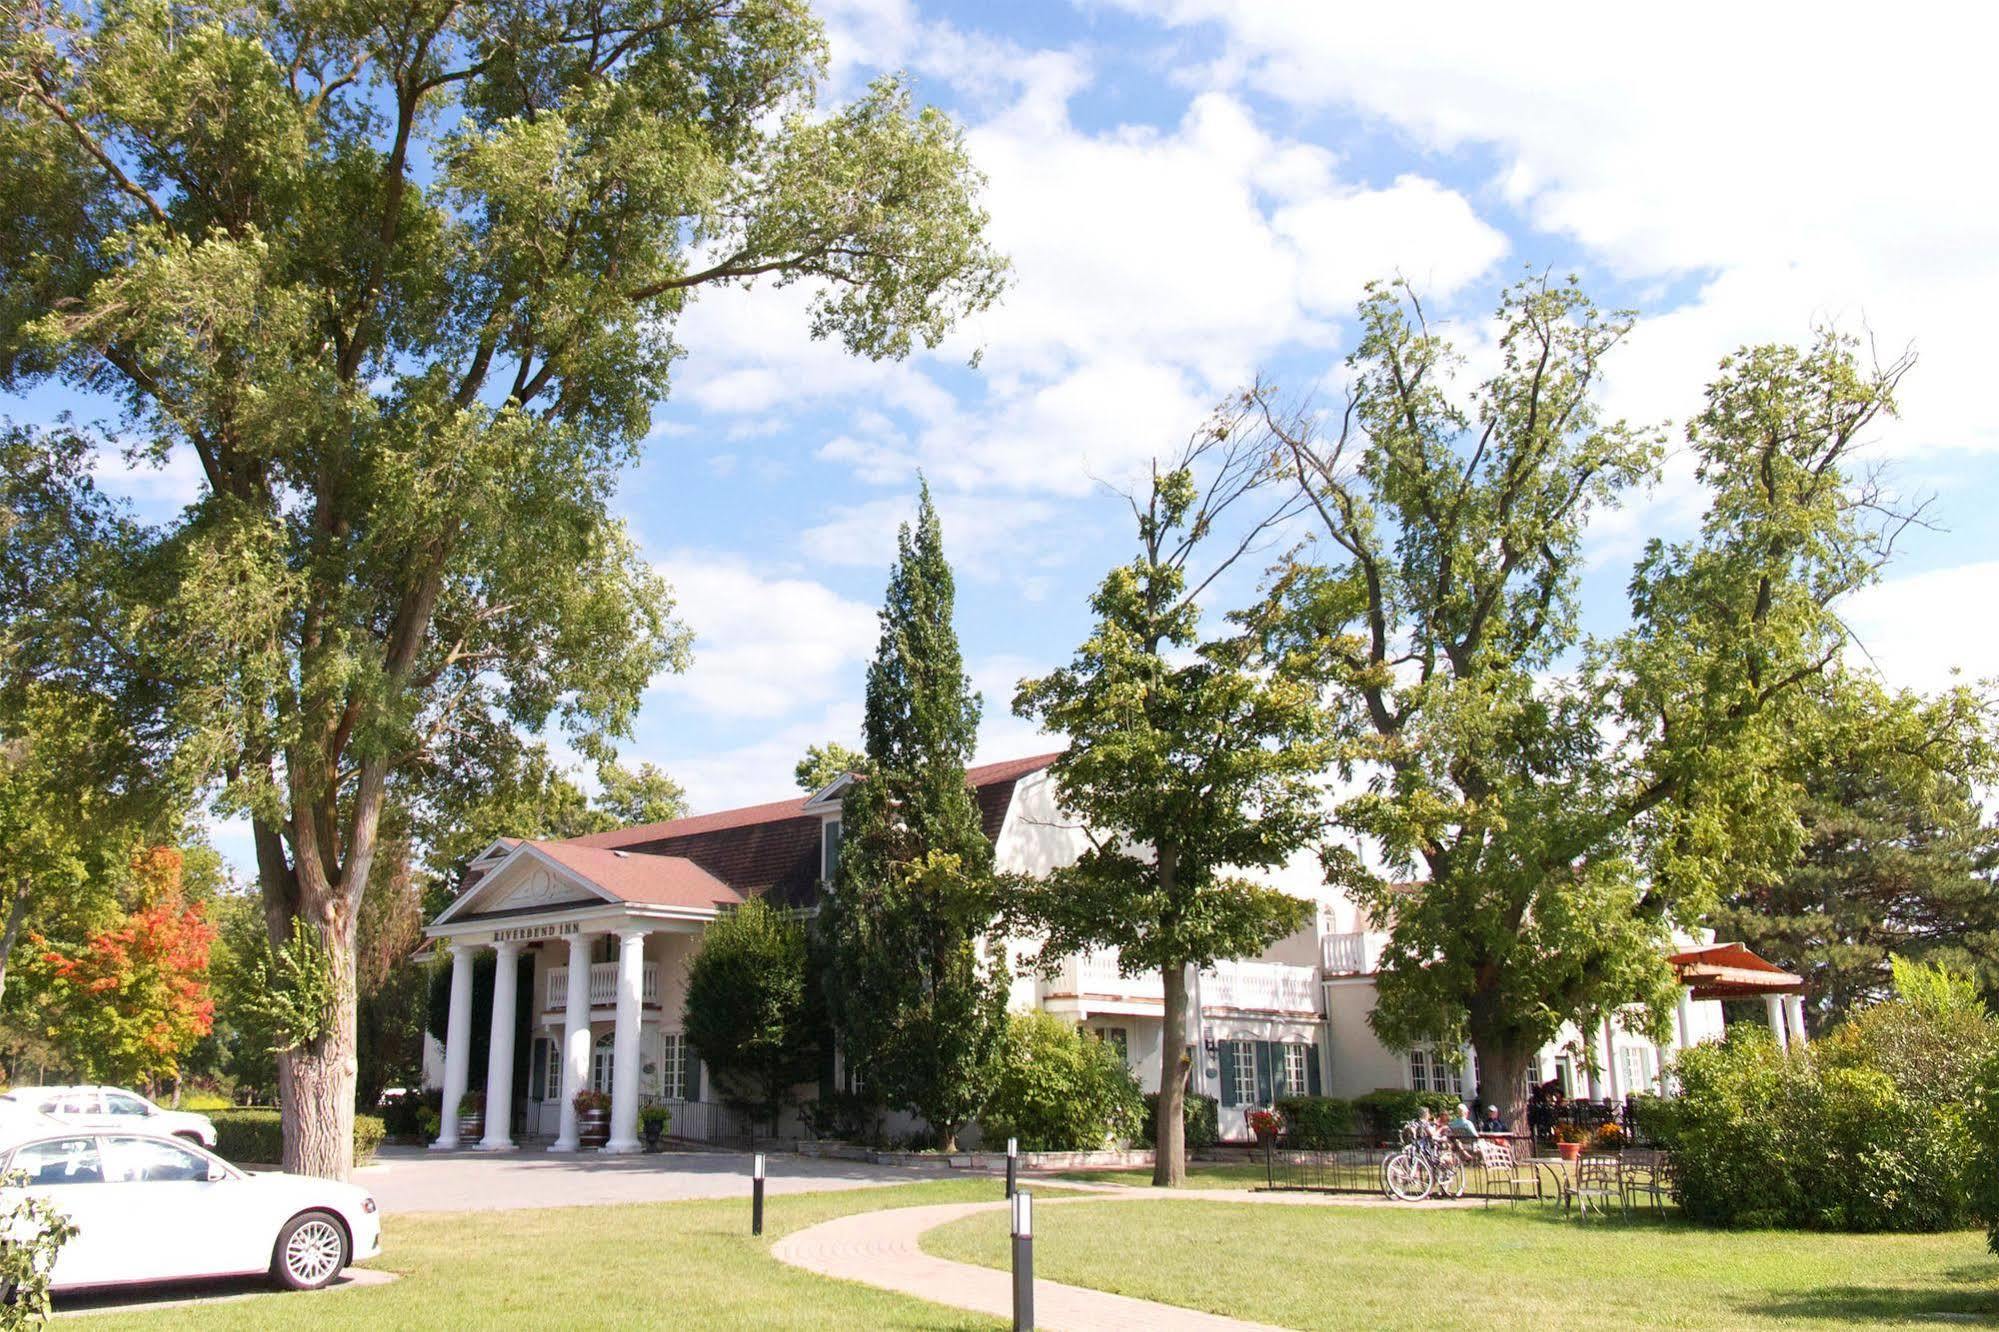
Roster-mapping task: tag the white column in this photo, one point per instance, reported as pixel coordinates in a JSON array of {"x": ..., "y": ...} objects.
[
  {"x": 575, "y": 1040},
  {"x": 1467, "y": 1080},
  {"x": 457, "y": 1046},
  {"x": 1773, "y": 1005},
  {"x": 1612, "y": 1077},
  {"x": 1794, "y": 1010},
  {"x": 500, "y": 1056},
  {"x": 625, "y": 1044}
]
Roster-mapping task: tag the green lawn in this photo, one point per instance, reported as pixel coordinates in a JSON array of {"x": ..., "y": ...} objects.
[
  {"x": 687, "y": 1264},
  {"x": 1388, "y": 1267}
]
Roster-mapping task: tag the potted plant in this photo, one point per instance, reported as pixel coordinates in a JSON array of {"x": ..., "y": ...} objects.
[
  {"x": 654, "y": 1120},
  {"x": 1609, "y": 1138},
  {"x": 593, "y": 1117},
  {"x": 428, "y": 1122},
  {"x": 472, "y": 1116},
  {"x": 1266, "y": 1125},
  {"x": 1569, "y": 1140}
]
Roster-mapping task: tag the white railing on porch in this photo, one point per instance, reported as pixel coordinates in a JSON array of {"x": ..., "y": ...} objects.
[
  {"x": 1097, "y": 974},
  {"x": 1345, "y": 954},
  {"x": 1262, "y": 986},
  {"x": 603, "y": 985}
]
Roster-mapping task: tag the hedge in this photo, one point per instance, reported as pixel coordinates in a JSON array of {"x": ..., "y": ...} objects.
[
  {"x": 256, "y": 1136},
  {"x": 1383, "y": 1113},
  {"x": 1318, "y": 1123},
  {"x": 1204, "y": 1128}
]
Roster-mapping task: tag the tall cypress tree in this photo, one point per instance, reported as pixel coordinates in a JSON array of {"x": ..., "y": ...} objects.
[{"x": 917, "y": 986}]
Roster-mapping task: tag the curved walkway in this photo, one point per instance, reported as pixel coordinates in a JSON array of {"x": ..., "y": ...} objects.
[{"x": 880, "y": 1249}]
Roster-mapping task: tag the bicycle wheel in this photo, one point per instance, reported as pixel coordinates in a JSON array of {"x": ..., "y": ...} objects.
[
  {"x": 1407, "y": 1178},
  {"x": 1451, "y": 1177}
]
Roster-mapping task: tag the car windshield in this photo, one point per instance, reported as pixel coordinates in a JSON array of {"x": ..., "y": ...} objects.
[{"x": 124, "y": 1103}]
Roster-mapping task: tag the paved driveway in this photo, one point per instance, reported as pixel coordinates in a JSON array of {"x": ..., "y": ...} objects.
[{"x": 413, "y": 1180}]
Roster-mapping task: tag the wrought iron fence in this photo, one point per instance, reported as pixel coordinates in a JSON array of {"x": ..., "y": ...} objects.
[{"x": 1354, "y": 1165}]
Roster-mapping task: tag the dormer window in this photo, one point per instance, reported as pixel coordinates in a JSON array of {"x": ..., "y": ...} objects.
[{"x": 829, "y": 851}]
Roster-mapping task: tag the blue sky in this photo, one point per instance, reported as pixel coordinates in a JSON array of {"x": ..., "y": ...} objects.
[{"x": 1193, "y": 193}]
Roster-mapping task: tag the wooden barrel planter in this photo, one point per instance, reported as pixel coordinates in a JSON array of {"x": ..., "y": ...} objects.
[
  {"x": 471, "y": 1119},
  {"x": 593, "y": 1118}
]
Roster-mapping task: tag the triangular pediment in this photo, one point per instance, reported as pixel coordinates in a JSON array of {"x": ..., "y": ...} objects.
[{"x": 526, "y": 880}]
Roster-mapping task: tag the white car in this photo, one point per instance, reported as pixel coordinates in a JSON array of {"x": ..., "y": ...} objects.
[
  {"x": 115, "y": 1108},
  {"x": 149, "y": 1208}
]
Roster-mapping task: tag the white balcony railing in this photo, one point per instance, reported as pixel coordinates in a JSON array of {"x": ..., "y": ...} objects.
[
  {"x": 603, "y": 985},
  {"x": 1346, "y": 954},
  {"x": 1097, "y": 974},
  {"x": 1270, "y": 987}
]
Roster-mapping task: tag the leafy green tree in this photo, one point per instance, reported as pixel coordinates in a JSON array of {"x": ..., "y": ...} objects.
[
  {"x": 1195, "y": 761},
  {"x": 916, "y": 990},
  {"x": 825, "y": 764},
  {"x": 750, "y": 1011},
  {"x": 1553, "y": 816},
  {"x": 641, "y": 795},
  {"x": 1897, "y": 858},
  {"x": 403, "y": 281}
]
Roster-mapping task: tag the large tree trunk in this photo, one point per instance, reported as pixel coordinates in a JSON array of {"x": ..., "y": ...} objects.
[
  {"x": 316, "y": 1080},
  {"x": 1502, "y": 1076},
  {"x": 1169, "y": 1139}
]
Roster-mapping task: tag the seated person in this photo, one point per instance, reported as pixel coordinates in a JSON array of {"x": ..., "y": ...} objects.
[
  {"x": 1427, "y": 1127},
  {"x": 1492, "y": 1123},
  {"x": 1461, "y": 1125}
]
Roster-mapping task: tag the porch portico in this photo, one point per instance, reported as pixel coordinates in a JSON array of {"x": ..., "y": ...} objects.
[{"x": 565, "y": 904}]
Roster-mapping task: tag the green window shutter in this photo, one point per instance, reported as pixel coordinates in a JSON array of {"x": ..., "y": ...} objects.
[
  {"x": 1312, "y": 1069},
  {"x": 1230, "y": 1093},
  {"x": 1264, "y": 1051},
  {"x": 693, "y": 1075}
]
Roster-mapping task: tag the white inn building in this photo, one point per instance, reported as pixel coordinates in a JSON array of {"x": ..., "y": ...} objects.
[{"x": 592, "y": 937}]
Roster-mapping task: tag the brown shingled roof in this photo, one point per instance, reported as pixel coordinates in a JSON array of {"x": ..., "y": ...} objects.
[{"x": 773, "y": 850}]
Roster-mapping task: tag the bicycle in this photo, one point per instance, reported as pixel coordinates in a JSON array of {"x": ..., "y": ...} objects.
[{"x": 1423, "y": 1166}]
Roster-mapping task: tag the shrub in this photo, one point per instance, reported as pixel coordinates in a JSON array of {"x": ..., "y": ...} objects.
[
  {"x": 1318, "y": 1123},
  {"x": 1983, "y": 1199},
  {"x": 257, "y": 1136},
  {"x": 204, "y": 1102},
  {"x": 1383, "y": 1113},
  {"x": 36, "y": 1230},
  {"x": 1763, "y": 1138},
  {"x": 1059, "y": 1089},
  {"x": 1203, "y": 1121},
  {"x": 403, "y": 1115}
]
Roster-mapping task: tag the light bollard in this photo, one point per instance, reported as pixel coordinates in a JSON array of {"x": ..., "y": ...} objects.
[
  {"x": 1012, "y": 1163},
  {"x": 1023, "y": 1262},
  {"x": 757, "y": 1196}
]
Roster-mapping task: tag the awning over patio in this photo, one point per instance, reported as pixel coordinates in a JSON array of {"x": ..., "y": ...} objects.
[{"x": 1731, "y": 971}]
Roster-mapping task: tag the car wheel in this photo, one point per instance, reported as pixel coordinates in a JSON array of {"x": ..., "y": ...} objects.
[{"x": 311, "y": 1251}]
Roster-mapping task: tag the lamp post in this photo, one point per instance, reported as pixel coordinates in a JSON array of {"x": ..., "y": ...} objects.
[
  {"x": 757, "y": 1196},
  {"x": 1023, "y": 1262},
  {"x": 1012, "y": 1163}
]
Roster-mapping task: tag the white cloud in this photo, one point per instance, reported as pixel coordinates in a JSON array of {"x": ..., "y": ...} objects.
[
  {"x": 985, "y": 536},
  {"x": 1929, "y": 630},
  {"x": 171, "y": 485},
  {"x": 1796, "y": 170},
  {"x": 764, "y": 646},
  {"x": 761, "y": 770}
]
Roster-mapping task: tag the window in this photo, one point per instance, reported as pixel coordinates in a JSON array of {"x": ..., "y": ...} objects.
[
  {"x": 673, "y": 1067},
  {"x": 1295, "y": 1066},
  {"x": 120, "y": 1103},
  {"x": 1427, "y": 1072},
  {"x": 1241, "y": 1072},
  {"x": 829, "y": 851},
  {"x": 62, "y": 1161},
  {"x": 1119, "y": 1037},
  {"x": 600, "y": 1063},
  {"x": 150, "y": 1161},
  {"x": 1634, "y": 1075}
]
